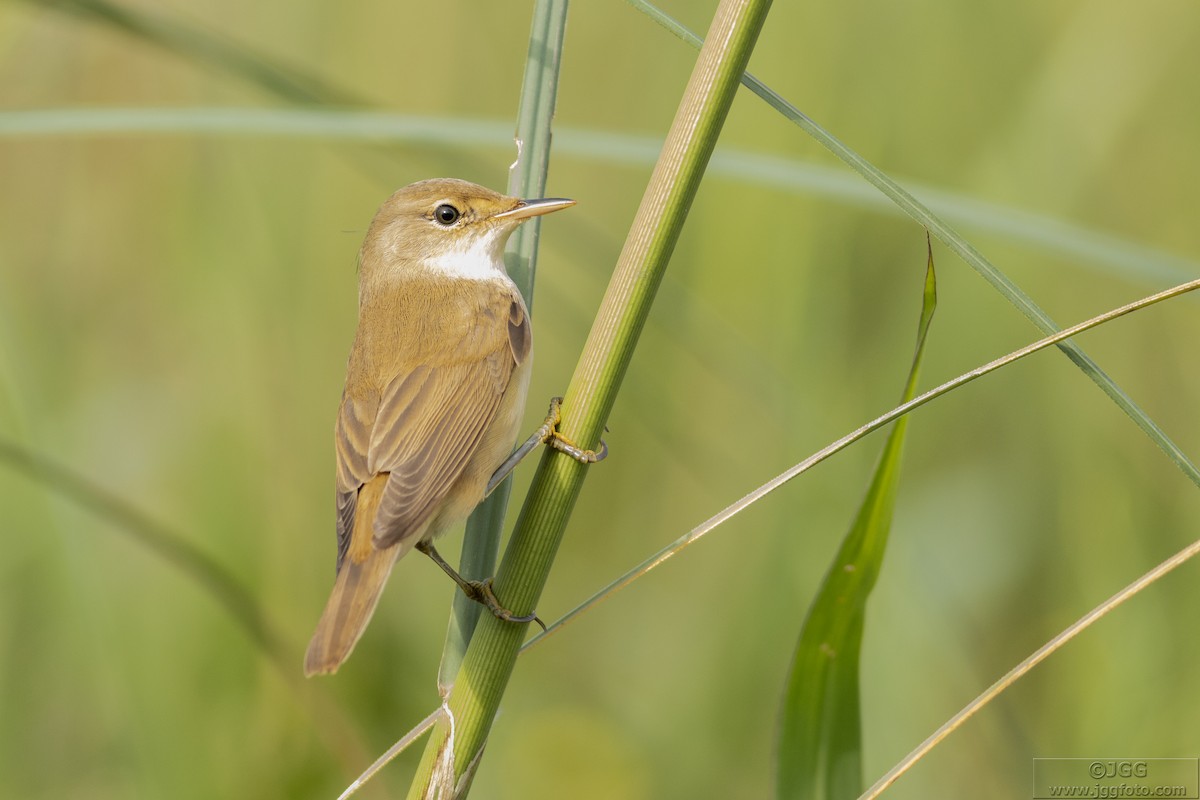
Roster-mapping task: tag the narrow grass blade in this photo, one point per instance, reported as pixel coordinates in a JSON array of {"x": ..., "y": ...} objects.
[
  {"x": 1041, "y": 654},
  {"x": 820, "y": 742},
  {"x": 402, "y": 744},
  {"x": 741, "y": 504},
  {"x": 527, "y": 178},
  {"x": 206, "y": 571},
  {"x": 1097, "y": 249},
  {"x": 340, "y": 736}
]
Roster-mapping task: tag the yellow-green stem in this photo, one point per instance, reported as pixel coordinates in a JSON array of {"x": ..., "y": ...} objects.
[{"x": 593, "y": 388}]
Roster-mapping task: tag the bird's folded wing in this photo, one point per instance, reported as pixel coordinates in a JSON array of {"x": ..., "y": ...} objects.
[
  {"x": 424, "y": 426},
  {"x": 428, "y": 424}
]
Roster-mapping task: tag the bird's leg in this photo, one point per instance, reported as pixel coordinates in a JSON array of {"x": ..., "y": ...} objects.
[
  {"x": 547, "y": 433},
  {"x": 479, "y": 591}
]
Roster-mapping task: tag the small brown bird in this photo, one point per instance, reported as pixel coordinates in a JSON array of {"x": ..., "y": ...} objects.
[{"x": 435, "y": 387}]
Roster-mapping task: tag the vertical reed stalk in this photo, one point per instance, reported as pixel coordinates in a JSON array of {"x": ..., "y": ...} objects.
[{"x": 488, "y": 664}]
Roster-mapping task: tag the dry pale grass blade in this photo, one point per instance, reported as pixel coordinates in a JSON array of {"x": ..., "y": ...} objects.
[
  {"x": 1020, "y": 670},
  {"x": 753, "y": 497},
  {"x": 399, "y": 747}
]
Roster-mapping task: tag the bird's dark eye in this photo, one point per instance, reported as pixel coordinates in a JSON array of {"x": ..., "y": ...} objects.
[{"x": 446, "y": 214}]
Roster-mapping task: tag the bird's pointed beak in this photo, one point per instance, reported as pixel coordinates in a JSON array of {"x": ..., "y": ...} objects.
[{"x": 535, "y": 208}]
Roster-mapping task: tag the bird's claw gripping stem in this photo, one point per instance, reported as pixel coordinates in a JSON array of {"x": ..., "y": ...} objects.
[
  {"x": 479, "y": 591},
  {"x": 551, "y": 437}
]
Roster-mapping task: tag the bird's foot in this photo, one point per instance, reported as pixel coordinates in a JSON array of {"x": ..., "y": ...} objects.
[
  {"x": 550, "y": 436},
  {"x": 481, "y": 592}
]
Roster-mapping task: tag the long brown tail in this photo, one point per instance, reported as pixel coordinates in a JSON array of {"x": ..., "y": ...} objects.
[{"x": 356, "y": 591}]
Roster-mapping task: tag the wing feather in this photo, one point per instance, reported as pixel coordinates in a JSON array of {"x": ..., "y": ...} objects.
[
  {"x": 442, "y": 430},
  {"x": 352, "y": 437},
  {"x": 520, "y": 337}
]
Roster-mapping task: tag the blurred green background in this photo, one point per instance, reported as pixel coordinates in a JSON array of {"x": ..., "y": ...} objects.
[{"x": 176, "y": 308}]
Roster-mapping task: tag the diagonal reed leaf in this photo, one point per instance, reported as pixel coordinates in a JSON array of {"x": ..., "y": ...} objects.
[
  {"x": 955, "y": 241},
  {"x": 221, "y": 584}
]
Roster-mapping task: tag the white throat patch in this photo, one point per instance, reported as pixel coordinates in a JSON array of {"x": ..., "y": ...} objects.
[{"x": 473, "y": 258}]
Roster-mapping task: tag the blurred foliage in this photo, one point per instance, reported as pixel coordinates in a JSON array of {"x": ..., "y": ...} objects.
[{"x": 175, "y": 314}]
